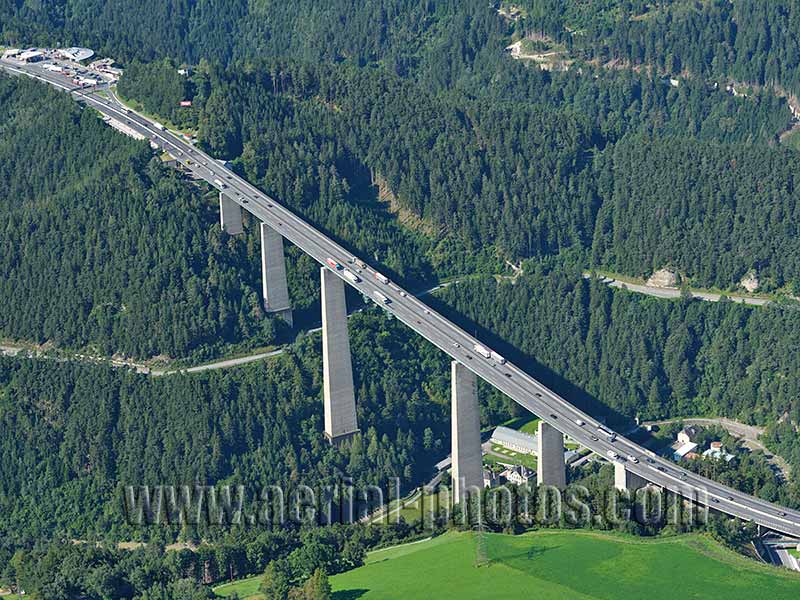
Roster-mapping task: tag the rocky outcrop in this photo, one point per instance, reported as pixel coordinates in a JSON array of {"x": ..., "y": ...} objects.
[
  {"x": 664, "y": 278},
  {"x": 750, "y": 281}
]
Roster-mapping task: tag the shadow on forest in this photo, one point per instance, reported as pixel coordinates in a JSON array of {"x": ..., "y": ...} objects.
[{"x": 565, "y": 388}]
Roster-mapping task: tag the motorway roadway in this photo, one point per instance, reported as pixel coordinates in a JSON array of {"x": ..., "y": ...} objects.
[{"x": 451, "y": 339}]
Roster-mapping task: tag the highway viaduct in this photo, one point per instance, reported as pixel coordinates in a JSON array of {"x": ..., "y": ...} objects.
[{"x": 634, "y": 466}]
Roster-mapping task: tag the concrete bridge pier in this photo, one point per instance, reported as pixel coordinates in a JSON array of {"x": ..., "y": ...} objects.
[
  {"x": 550, "y": 467},
  {"x": 467, "y": 456},
  {"x": 230, "y": 215},
  {"x": 337, "y": 368},
  {"x": 625, "y": 480},
  {"x": 273, "y": 274}
]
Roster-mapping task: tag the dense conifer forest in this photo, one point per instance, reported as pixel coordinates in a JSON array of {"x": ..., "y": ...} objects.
[{"x": 405, "y": 131}]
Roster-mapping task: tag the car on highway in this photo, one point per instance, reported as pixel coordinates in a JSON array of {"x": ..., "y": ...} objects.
[
  {"x": 612, "y": 455},
  {"x": 595, "y": 438},
  {"x": 633, "y": 459},
  {"x": 553, "y": 416},
  {"x": 507, "y": 375},
  {"x": 403, "y": 294},
  {"x": 580, "y": 422}
]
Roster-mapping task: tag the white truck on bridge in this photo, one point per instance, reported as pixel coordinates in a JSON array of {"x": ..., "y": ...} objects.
[
  {"x": 484, "y": 352},
  {"x": 381, "y": 297},
  {"x": 352, "y": 277}
]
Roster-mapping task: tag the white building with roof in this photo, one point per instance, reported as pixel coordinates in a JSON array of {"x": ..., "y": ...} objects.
[
  {"x": 518, "y": 475},
  {"x": 518, "y": 441},
  {"x": 76, "y": 54}
]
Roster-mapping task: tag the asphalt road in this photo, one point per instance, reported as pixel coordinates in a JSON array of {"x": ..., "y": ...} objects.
[
  {"x": 660, "y": 292},
  {"x": 447, "y": 336}
]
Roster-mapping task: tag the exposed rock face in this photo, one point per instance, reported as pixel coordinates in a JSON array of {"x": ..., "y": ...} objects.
[
  {"x": 750, "y": 282},
  {"x": 664, "y": 278}
]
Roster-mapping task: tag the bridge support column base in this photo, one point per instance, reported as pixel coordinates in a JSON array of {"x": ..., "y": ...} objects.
[
  {"x": 467, "y": 456},
  {"x": 337, "y": 368},
  {"x": 341, "y": 438},
  {"x": 550, "y": 466}
]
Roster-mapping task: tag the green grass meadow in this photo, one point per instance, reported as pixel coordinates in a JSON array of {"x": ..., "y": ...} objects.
[
  {"x": 555, "y": 565},
  {"x": 247, "y": 589},
  {"x": 562, "y": 565}
]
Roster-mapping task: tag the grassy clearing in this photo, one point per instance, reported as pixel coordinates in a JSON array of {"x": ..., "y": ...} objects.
[
  {"x": 531, "y": 427},
  {"x": 246, "y": 589},
  {"x": 423, "y": 506},
  {"x": 526, "y": 460},
  {"x": 563, "y": 564}
]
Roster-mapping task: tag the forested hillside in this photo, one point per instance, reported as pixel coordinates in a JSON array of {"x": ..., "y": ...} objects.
[
  {"x": 524, "y": 177},
  {"x": 488, "y": 158},
  {"x": 747, "y": 40},
  {"x": 627, "y": 355},
  {"x": 406, "y": 131},
  {"x": 71, "y": 435},
  {"x": 641, "y": 355},
  {"x": 104, "y": 247},
  {"x": 714, "y": 211},
  {"x": 362, "y": 31}
]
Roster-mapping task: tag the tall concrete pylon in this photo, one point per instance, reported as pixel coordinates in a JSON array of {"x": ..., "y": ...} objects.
[
  {"x": 230, "y": 215},
  {"x": 625, "y": 480},
  {"x": 337, "y": 368},
  {"x": 273, "y": 274},
  {"x": 466, "y": 453},
  {"x": 550, "y": 467}
]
